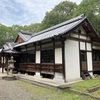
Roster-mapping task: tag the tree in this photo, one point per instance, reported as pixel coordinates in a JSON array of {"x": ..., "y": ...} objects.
[
  {"x": 33, "y": 27},
  {"x": 92, "y": 10},
  {"x": 60, "y": 13}
]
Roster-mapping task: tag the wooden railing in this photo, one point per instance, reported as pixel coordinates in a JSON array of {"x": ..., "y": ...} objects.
[
  {"x": 5, "y": 65},
  {"x": 43, "y": 68}
]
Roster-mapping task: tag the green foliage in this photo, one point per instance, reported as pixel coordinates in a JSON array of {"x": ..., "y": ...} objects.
[
  {"x": 33, "y": 27},
  {"x": 84, "y": 85},
  {"x": 60, "y": 13},
  {"x": 10, "y": 33},
  {"x": 92, "y": 10}
]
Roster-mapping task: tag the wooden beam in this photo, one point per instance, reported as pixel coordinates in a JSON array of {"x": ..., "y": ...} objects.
[
  {"x": 40, "y": 58},
  {"x": 3, "y": 64},
  {"x": 54, "y": 54},
  {"x": 26, "y": 56},
  {"x": 63, "y": 60}
]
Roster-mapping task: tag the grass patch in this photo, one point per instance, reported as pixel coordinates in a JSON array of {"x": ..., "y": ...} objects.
[
  {"x": 96, "y": 93},
  {"x": 43, "y": 93},
  {"x": 84, "y": 85}
]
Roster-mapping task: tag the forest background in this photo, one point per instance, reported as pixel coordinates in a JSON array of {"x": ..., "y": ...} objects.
[{"x": 60, "y": 13}]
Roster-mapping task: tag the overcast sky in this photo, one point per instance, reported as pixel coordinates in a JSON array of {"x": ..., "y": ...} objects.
[{"x": 25, "y": 12}]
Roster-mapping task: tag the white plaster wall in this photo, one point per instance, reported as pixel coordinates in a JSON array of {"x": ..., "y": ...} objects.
[
  {"x": 89, "y": 61},
  {"x": 72, "y": 63},
  {"x": 82, "y": 45},
  {"x": 37, "y": 56},
  {"x": 83, "y": 37},
  {"x": 88, "y": 46},
  {"x": 82, "y": 30},
  {"x": 2, "y": 60},
  {"x": 74, "y": 35},
  {"x": 58, "y": 56},
  {"x": 88, "y": 38}
]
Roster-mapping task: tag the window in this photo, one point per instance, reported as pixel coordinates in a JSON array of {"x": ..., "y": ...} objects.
[
  {"x": 23, "y": 58},
  {"x": 96, "y": 55},
  {"x": 47, "y": 56},
  {"x": 31, "y": 57},
  {"x": 28, "y": 57},
  {"x": 83, "y": 56}
]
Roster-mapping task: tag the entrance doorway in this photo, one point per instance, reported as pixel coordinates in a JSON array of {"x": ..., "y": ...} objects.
[{"x": 83, "y": 61}]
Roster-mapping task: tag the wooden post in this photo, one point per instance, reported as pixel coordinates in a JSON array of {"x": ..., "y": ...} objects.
[
  {"x": 63, "y": 59},
  {"x": 40, "y": 59},
  {"x": 3, "y": 64},
  {"x": 35, "y": 55},
  {"x": 54, "y": 55},
  {"x": 7, "y": 66},
  {"x": 26, "y": 57}
]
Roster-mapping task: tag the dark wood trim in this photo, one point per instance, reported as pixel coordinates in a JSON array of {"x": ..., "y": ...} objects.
[
  {"x": 54, "y": 54},
  {"x": 88, "y": 51},
  {"x": 8, "y": 65},
  {"x": 86, "y": 54},
  {"x": 3, "y": 64},
  {"x": 92, "y": 56},
  {"x": 26, "y": 55},
  {"x": 47, "y": 48},
  {"x": 96, "y": 45},
  {"x": 79, "y": 56},
  {"x": 35, "y": 52},
  {"x": 78, "y": 33},
  {"x": 63, "y": 60},
  {"x": 81, "y": 40},
  {"x": 40, "y": 57}
]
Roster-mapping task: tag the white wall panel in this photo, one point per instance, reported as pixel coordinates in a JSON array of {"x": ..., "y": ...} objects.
[
  {"x": 58, "y": 55},
  {"x": 88, "y": 46},
  {"x": 82, "y": 45},
  {"x": 72, "y": 63},
  {"x": 37, "y": 56}
]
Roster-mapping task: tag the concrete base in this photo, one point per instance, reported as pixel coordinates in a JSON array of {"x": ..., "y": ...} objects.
[
  {"x": 37, "y": 75},
  {"x": 58, "y": 78},
  {"x": 0, "y": 69},
  {"x": 9, "y": 78},
  {"x": 74, "y": 80},
  {"x": 26, "y": 73},
  {"x": 91, "y": 73}
]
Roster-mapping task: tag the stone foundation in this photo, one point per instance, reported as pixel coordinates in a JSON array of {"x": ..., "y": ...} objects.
[
  {"x": 58, "y": 77},
  {"x": 37, "y": 75}
]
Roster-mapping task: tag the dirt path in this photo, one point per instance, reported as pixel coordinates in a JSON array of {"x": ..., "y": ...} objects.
[{"x": 9, "y": 90}]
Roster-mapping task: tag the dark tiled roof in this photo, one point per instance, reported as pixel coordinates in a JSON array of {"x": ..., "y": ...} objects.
[
  {"x": 25, "y": 35},
  {"x": 8, "y": 47},
  {"x": 56, "y": 30}
]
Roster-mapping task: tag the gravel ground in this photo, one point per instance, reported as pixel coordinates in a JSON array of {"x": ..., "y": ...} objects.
[{"x": 9, "y": 90}]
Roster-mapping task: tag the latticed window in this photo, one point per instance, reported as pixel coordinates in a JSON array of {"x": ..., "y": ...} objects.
[
  {"x": 47, "y": 56},
  {"x": 28, "y": 57},
  {"x": 31, "y": 57},
  {"x": 23, "y": 57}
]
